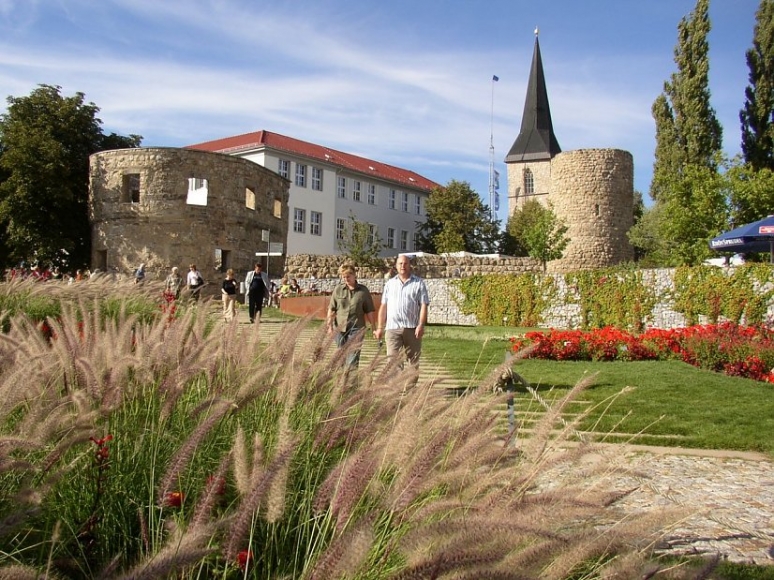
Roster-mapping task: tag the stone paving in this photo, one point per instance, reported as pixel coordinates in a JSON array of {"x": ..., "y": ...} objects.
[{"x": 732, "y": 492}]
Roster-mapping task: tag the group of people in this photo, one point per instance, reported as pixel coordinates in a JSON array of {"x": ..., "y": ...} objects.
[{"x": 400, "y": 321}]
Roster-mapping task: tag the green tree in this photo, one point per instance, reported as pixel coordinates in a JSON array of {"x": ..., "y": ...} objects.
[
  {"x": 361, "y": 244},
  {"x": 694, "y": 212},
  {"x": 45, "y": 143},
  {"x": 538, "y": 232},
  {"x": 688, "y": 149},
  {"x": 751, "y": 193},
  {"x": 457, "y": 220},
  {"x": 757, "y": 116}
]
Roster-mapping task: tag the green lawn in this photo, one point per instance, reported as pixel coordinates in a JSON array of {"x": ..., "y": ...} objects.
[{"x": 673, "y": 403}]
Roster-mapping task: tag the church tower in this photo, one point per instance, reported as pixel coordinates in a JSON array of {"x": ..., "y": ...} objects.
[{"x": 529, "y": 160}]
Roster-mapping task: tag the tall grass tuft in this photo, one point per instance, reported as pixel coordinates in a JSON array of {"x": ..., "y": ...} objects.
[{"x": 143, "y": 446}]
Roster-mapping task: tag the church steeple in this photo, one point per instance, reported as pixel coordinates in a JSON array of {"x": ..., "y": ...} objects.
[{"x": 536, "y": 140}]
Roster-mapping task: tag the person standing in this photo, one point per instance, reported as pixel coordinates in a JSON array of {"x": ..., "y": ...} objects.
[
  {"x": 174, "y": 283},
  {"x": 195, "y": 282},
  {"x": 257, "y": 286},
  {"x": 139, "y": 274},
  {"x": 350, "y": 307},
  {"x": 228, "y": 295},
  {"x": 403, "y": 313}
]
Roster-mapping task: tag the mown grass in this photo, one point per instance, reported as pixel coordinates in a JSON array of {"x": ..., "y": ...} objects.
[{"x": 671, "y": 403}]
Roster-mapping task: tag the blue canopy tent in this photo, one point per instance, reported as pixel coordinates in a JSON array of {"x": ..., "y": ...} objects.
[{"x": 754, "y": 237}]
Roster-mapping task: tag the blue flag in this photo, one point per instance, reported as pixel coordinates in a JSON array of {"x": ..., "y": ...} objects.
[{"x": 495, "y": 78}]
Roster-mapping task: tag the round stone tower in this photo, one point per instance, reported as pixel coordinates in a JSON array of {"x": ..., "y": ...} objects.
[
  {"x": 164, "y": 206},
  {"x": 592, "y": 191}
]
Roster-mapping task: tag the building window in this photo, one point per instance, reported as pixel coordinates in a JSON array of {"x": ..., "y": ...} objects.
[
  {"x": 415, "y": 241},
  {"x": 277, "y": 207},
  {"x": 197, "y": 191},
  {"x": 391, "y": 200},
  {"x": 317, "y": 175},
  {"x": 283, "y": 168},
  {"x": 249, "y": 198},
  {"x": 356, "y": 190},
  {"x": 403, "y": 240},
  {"x": 130, "y": 188},
  {"x": 404, "y": 201},
  {"x": 300, "y": 175},
  {"x": 222, "y": 259},
  {"x": 417, "y": 204},
  {"x": 372, "y": 233},
  {"x": 340, "y": 228},
  {"x": 315, "y": 223},
  {"x": 341, "y": 187},
  {"x": 529, "y": 182},
  {"x": 299, "y": 220},
  {"x": 371, "y": 194},
  {"x": 390, "y": 237}
]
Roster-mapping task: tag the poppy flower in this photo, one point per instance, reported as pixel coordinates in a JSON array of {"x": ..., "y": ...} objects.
[
  {"x": 174, "y": 499},
  {"x": 244, "y": 558}
]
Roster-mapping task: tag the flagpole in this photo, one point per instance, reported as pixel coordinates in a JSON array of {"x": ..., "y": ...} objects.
[{"x": 492, "y": 211}]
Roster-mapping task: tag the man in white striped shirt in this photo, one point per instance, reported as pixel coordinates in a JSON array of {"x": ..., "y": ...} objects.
[{"x": 403, "y": 313}]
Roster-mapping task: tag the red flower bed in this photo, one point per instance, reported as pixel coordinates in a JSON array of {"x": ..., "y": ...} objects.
[{"x": 742, "y": 351}]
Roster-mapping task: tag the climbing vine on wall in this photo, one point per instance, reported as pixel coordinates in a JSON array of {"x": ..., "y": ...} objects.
[
  {"x": 612, "y": 297},
  {"x": 743, "y": 292},
  {"x": 510, "y": 300}
]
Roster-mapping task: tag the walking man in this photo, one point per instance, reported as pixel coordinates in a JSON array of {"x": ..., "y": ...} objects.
[
  {"x": 403, "y": 313},
  {"x": 350, "y": 307},
  {"x": 257, "y": 285}
]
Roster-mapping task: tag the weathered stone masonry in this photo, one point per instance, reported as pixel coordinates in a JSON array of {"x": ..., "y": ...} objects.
[{"x": 140, "y": 211}]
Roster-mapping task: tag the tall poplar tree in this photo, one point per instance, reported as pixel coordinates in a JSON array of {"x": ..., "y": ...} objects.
[
  {"x": 688, "y": 148},
  {"x": 757, "y": 116}
]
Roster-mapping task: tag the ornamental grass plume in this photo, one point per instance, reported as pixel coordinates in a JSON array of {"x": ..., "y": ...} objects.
[{"x": 391, "y": 478}]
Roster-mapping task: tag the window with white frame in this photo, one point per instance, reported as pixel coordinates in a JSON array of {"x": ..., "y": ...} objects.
[
  {"x": 390, "y": 237},
  {"x": 391, "y": 199},
  {"x": 341, "y": 187},
  {"x": 317, "y": 175},
  {"x": 340, "y": 225},
  {"x": 373, "y": 231},
  {"x": 300, "y": 175},
  {"x": 283, "y": 168},
  {"x": 355, "y": 190},
  {"x": 417, "y": 204},
  {"x": 415, "y": 241},
  {"x": 371, "y": 194},
  {"x": 315, "y": 223},
  {"x": 404, "y": 201},
  {"x": 403, "y": 240},
  {"x": 299, "y": 220}
]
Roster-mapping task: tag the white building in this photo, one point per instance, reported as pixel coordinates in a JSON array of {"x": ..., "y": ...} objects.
[{"x": 327, "y": 186}]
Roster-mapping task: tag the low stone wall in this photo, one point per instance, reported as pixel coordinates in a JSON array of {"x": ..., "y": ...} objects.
[
  {"x": 444, "y": 298},
  {"x": 303, "y": 266}
]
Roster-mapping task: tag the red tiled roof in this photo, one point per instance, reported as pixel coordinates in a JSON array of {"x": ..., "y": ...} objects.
[{"x": 261, "y": 139}]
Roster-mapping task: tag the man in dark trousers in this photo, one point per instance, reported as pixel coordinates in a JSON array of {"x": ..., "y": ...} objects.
[{"x": 257, "y": 285}]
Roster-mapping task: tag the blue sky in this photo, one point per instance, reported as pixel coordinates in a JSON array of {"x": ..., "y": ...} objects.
[{"x": 404, "y": 82}]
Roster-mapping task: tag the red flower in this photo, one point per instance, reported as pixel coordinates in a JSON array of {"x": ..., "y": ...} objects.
[
  {"x": 174, "y": 499},
  {"x": 244, "y": 558}
]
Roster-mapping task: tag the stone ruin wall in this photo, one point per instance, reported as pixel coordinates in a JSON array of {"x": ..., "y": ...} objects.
[
  {"x": 162, "y": 230},
  {"x": 593, "y": 192}
]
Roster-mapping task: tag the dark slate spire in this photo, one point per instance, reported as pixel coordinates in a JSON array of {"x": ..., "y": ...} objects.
[{"x": 536, "y": 140}]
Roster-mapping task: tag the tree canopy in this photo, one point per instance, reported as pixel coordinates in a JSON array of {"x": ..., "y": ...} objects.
[
  {"x": 361, "y": 244},
  {"x": 757, "y": 115},
  {"x": 538, "y": 232},
  {"x": 45, "y": 143},
  {"x": 457, "y": 220}
]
